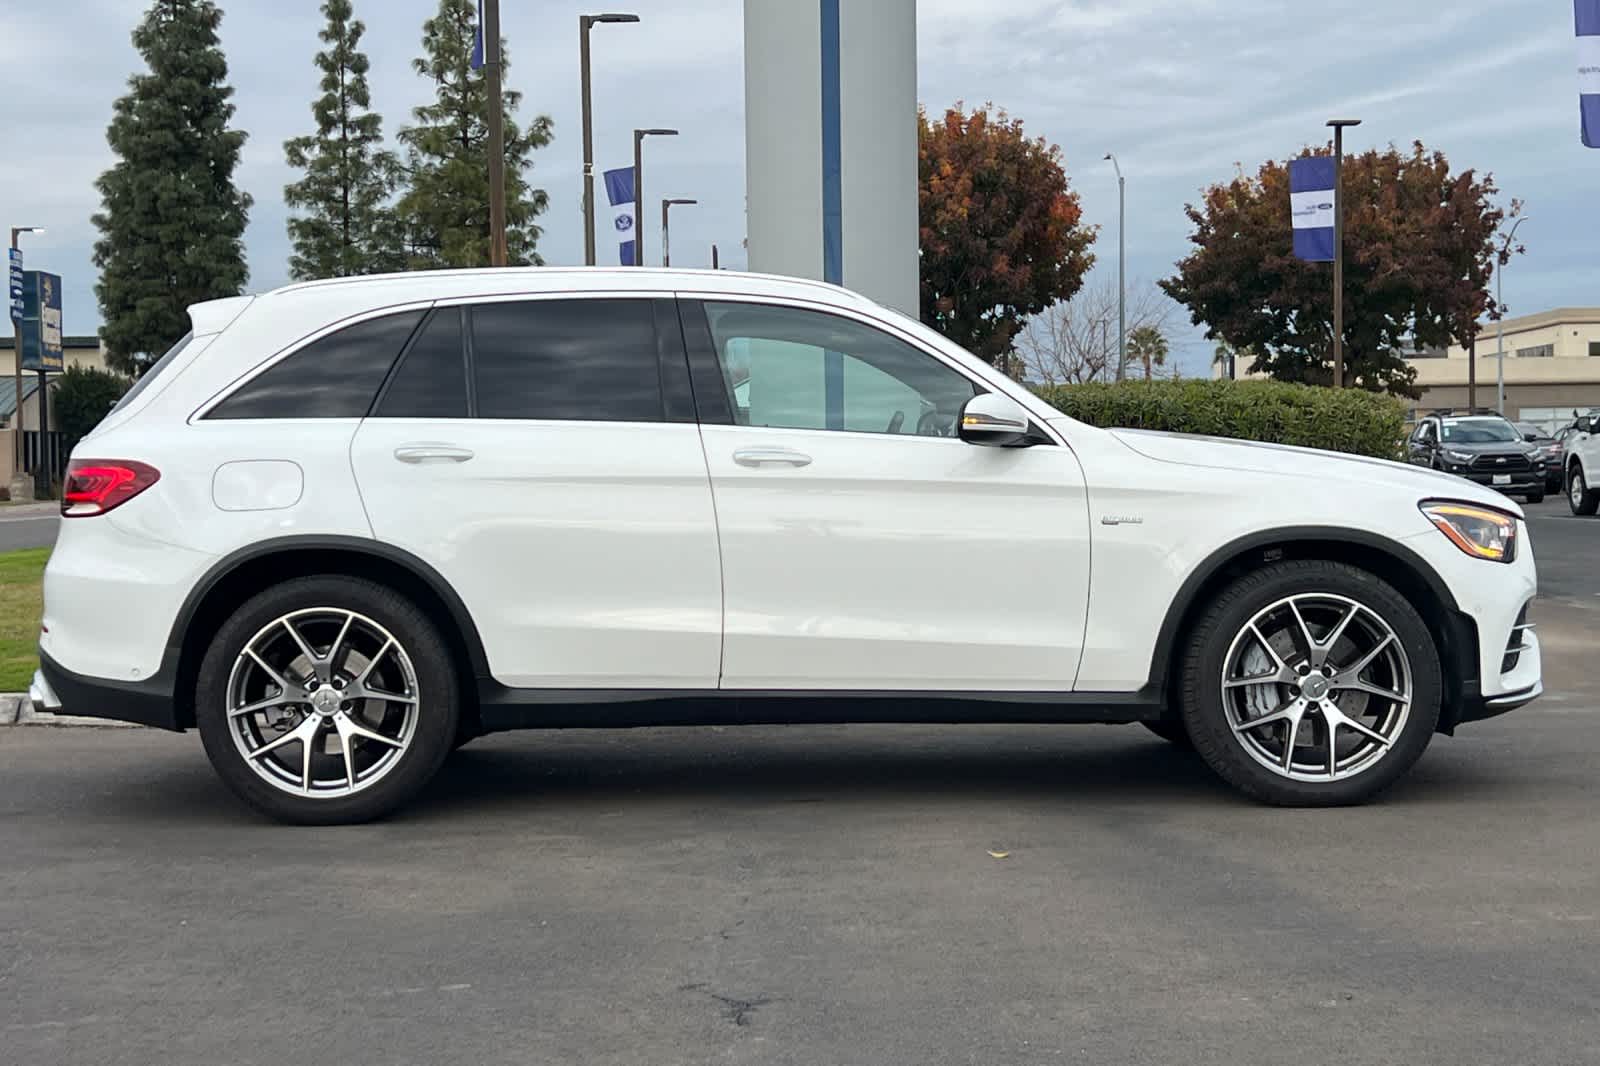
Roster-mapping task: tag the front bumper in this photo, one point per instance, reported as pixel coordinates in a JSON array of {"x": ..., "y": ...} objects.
[
  {"x": 60, "y": 691},
  {"x": 1522, "y": 481}
]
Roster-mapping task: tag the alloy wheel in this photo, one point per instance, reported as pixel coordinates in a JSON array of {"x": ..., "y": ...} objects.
[
  {"x": 1576, "y": 490},
  {"x": 322, "y": 702},
  {"x": 1317, "y": 687}
]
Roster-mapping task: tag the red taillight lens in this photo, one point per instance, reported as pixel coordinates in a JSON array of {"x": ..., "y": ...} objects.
[{"x": 95, "y": 486}]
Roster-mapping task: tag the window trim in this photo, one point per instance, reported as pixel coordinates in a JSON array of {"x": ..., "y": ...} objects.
[
  {"x": 706, "y": 367},
  {"x": 203, "y": 412}
]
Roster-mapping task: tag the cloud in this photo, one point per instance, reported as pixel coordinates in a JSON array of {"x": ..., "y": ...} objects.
[{"x": 1181, "y": 90}]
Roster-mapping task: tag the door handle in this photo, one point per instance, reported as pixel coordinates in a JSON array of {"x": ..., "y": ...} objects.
[
  {"x": 432, "y": 453},
  {"x": 771, "y": 457}
]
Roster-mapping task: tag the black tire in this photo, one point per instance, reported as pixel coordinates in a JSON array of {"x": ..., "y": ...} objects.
[
  {"x": 1535, "y": 497},
  {"x": 436, "y": 724},
  {"x": 1201, "y": 696},
  {"x": 1580, "y": 497},
  {"x": 1171, "y": 730}
]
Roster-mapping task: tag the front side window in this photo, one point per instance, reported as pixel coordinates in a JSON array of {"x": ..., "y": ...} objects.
[
  {"x": 336, "y": 376},
  {"x": 567, "y": 360},
  {"x": 790, "y": 368}
]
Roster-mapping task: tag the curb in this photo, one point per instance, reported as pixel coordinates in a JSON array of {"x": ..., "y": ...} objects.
[{"x": 15, "y": 709}]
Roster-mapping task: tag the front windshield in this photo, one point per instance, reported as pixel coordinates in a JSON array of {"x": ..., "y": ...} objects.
[{"x": 1485, "y": 432}]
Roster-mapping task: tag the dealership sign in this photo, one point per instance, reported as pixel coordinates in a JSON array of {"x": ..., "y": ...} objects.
[
  {"x": 41, "y": 321},
  {"x": 14, "y": 284}
]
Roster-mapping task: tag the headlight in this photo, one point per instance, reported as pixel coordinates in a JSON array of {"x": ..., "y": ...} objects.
[
  {"x": 1479, "y": 531},
  {"x": 1458, "y": 457}
]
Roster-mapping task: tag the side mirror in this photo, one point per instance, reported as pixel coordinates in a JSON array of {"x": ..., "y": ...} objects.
[
  {"x": 1530, "y": 437},
  {"x": 1585, "y": 424},
  {"x": 994, "y": 420}
]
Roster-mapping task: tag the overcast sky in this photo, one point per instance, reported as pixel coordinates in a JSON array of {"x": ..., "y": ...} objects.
[{"x": 1181, "y": 90}]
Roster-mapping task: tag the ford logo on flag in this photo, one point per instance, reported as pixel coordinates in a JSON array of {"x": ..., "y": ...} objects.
[
  {"x": 624, "y": 223},
  {"x": 1324, "y": 207}
]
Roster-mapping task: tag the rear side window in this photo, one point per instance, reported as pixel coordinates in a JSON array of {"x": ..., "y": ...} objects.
[
  {"x": 336, "y": 376},
  {"x": 432, "y": 379},
  {"x": 154, "y": 372},
  {"x": 567, "y": 360}
]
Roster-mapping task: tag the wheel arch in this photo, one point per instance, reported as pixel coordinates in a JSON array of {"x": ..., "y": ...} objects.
[
  {"x": 1454, "y": 633},
  {"x": 245, "y": 572}
]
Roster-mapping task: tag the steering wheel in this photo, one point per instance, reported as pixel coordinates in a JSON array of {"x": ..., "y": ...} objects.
[{"x": 896, "y": 422}]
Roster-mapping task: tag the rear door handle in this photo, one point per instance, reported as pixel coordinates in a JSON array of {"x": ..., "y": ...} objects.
[
  {"x": 771, "y": 457},
  {"x": 432, "y": 453}
]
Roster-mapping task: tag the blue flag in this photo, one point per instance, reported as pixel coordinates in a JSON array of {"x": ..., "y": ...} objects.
[
  {"x": 619, "y": 193},
  {"x": 477, "y": 40},
  {"x": 1311, "y": 207},
  {"x": 1588, "y": 17}
]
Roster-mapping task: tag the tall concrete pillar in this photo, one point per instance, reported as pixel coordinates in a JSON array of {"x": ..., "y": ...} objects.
[{"x": 831, "y": 143}]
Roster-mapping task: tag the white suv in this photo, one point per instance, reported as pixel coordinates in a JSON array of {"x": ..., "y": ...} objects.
[
  {"x": 347, "y": 525},
  {"x": 1583, "y": 465}
]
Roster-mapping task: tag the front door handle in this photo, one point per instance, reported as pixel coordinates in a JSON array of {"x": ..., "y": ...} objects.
[
  {"x": 771, "y": 457},
  {"x": 432, "y": 453}
]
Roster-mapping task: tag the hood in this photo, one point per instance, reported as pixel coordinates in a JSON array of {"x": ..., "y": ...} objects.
[
  {"x": 1228, "y": 454},
  {"x": 1493, "y": 447}
]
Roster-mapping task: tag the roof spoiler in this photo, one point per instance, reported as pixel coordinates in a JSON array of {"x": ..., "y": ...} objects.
[{"x": 214, "y": 316}]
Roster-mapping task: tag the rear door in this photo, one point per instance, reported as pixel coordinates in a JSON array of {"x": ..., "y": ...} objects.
[{"x": 542, "y": 455}]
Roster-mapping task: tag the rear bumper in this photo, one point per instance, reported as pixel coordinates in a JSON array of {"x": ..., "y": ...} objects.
[{"x": 60, "y": 691}]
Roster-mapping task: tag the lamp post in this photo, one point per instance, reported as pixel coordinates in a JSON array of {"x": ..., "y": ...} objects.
[
  {"x": 1500, "y": 320},
  {"x": 638, "y": 189},
  {"x": 666, "y": 241},
  {"x": 1338, "y": 125},
  {"x": 16, "y": 334},
  {"x": 584, "y": 24},
  {"x": 1122, "y": 269}
]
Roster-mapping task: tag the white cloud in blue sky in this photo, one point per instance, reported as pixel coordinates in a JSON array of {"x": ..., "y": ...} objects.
[{"x": 1181, "y": 90}]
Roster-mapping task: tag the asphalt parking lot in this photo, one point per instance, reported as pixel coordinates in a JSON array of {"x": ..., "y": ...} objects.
[{"x": 818, "y": 895}]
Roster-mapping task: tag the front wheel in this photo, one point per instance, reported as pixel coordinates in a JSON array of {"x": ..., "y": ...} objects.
[
  {"x": 1535, "y": 497},
  {"x": 327, "y": 700},
  {"x": 1580, "y": 497},
  {"x": 1311, "y": 683}
]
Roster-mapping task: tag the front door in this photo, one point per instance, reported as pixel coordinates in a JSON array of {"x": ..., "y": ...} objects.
[
  {"x": 551, "y": 472},
  {"x": 864, "y": 546}
]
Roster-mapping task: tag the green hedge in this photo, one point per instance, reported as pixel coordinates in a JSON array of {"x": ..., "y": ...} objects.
[{"x": 1340, "y": 420}]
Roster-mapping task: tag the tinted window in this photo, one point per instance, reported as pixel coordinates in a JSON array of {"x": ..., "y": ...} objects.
[
  {"x": 796, "y": 369},
  {"x": 154, "y": 372},
  {"x": 571, "y": 360},
  {"x": 432, "y": 379},
  {"x": 333, "y": 377}
]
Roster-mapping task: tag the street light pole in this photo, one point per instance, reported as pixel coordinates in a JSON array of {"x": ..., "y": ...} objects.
[
  {"x": 585, "y": 22},
  {"x": 1500, "y": 320},
  {"x": 1122, "y": 269},
  {"x": 16, "y": 335},
  {"x": 1338, "y": 125},
  {"x": 638, "y": 189},
  {"x": 497, "y": 138},
  {"x": 666, "y": 240}
]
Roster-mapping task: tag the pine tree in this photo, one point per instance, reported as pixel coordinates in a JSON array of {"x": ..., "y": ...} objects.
[
  {"x": 346, "y": 226},
  {"x": 445, "y": 210},
  {"x": 172, "y": 222}
]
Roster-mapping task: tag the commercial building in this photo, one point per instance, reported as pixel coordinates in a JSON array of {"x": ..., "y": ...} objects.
[
  {"x": 76, "y": 351},
  {"x": 1552, "y": 368}
]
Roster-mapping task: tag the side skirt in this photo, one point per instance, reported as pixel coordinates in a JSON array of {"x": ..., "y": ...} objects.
[{"x": 501, "y": 708}]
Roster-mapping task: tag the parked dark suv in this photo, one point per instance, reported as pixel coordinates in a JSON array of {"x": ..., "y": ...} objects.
[{"x": 1487, "y": 449}]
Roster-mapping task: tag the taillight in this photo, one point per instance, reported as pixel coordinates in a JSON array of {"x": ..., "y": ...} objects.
[{"x": 95, "y": 486}]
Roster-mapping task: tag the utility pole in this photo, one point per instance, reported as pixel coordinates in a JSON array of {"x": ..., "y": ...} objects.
[
  {"x": 497, "y": 135},
  {"x": 1338, "y": 125},
  {"x": 666, "y": 240},
  {"x": 1122, "y": 269},
  {"x": 716, "y": 258},
  {"x": 1472, "y": 371},
  {"x": 585, "y": 22},
  {"x": 1500, "y": 320},
  {"x": 638, "y": 189}
]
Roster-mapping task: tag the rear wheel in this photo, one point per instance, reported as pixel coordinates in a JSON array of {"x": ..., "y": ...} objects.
[
  {"x": 1580, "y": 497},
  {"x": 327, "y": 700},
  {"x": 1311, "y": 683}
]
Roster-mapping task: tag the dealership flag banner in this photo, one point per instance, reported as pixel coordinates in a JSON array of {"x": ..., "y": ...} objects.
[
  {"x": 1589, "y": 70},
  {"x": 619, "y": 190},
  {"x": 477, "y": 40},
  {"x": 1311, "y": 183}
]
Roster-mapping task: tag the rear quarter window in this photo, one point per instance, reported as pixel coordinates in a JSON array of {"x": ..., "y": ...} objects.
[{"x": 336, "y": 376}]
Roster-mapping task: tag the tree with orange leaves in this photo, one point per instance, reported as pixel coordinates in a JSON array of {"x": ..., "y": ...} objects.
[{"x": 1002, "y": 233}]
